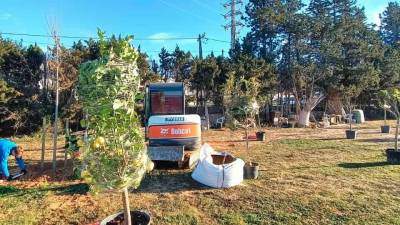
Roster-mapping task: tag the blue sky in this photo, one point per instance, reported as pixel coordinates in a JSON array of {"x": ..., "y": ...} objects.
[{"x": 142, "y": 18}]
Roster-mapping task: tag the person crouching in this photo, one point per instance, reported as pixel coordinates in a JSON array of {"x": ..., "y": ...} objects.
[{"x": 8, "y": 148}]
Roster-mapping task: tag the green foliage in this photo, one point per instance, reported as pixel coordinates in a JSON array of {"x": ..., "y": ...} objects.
[
  {"x": 73, "y": 145},
  {"x": 146, "y": 74},
  {"x": 391, "y": 96},
  {"x": 6, "y": 92},
  {"x": 390, "y": 25},
  {"x": 115, "y": 156},
  {"x": 241, "y": 102},
  {"x": 390, "y": 68},
  {"x": 182, "y": 62},
  {"x": 176, "y": 65},
  {"x": 19, "y": 68},
  {"x": 203, "y": 74}
]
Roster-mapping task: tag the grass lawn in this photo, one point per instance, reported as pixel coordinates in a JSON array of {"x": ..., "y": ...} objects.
[{"x": 309, "y": 176}]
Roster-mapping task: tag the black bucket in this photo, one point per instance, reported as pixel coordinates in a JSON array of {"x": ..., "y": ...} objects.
[
  {"x": 139, "y": 217},
  {"x": 385, "y": 129},
  {"x": 260, "y": 136},
  {"x": 393, "y": 156},
  {"x": 250, "y": 170},
  {"x": 351, "y": 134}
]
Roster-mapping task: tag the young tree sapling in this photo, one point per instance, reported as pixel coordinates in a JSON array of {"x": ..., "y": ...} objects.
[{"x": 114, "y": 157}]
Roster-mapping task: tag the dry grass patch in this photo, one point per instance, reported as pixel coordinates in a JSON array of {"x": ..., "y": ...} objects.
[{"x": 309, "y": 176}]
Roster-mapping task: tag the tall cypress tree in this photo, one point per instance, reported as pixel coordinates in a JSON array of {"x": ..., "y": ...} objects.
[
  {"x": 390, "y": 24},
  {"x": 355, "y": 53},
  {"x": 390, "y": 34}
]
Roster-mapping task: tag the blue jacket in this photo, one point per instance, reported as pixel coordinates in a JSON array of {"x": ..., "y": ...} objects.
[{"x": 5, "y": 151}]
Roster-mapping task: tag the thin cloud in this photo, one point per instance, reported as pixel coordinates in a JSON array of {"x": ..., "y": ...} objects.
[
  {"x": 160, "y": 37},
  {"x": 5, "y": 16}
]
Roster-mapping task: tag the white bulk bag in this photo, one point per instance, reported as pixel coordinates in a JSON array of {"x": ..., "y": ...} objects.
[{"x": 217, "y": 176}]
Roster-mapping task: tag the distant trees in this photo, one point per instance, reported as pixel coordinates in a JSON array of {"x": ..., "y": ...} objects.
[
  {"x": 145, "y": 71},
  {"x": 203, "y": 74},
  {"x": 175, "y": 65},
  {"x": 20, "y": 92},
  {"x": 298, "y": 55},
  {"x": 390, "y": 34},
  {"x": 322, "y": 50},
  {"x": 390, "y": 25}
]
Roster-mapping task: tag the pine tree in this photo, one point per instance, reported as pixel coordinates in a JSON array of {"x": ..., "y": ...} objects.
[
  {"x": 357, "y": 49},
  {"x": 265, "y": 18},
  {"x": 390, "y": 24},
  {"x": 181, "y": 63},
  {"x": 165, "y": 64},
  {"x": 390, "y": 34}
]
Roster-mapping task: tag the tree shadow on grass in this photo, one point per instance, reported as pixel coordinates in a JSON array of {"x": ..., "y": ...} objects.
[
  {"x": 166, "y": 178},
  {"x": 363, "y": 165},
  {"x": 8, "y": 190},
  {"x": 331, "y": 139},
  {"x": 377, "y": 140},
  {"x": 169, "y": 182},
  {"x": 73, "y": 189}
]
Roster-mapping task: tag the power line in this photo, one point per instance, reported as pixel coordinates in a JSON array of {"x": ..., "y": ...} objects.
[
  {"x": 217, "y": 40},
  {"x": 87, "y": 37},
  {"x": 96, "y": 38}
]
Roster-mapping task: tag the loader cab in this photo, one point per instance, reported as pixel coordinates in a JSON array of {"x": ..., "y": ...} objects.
[
  {"x": 164, "y": 99},
  {"x": 171, "y": 135}
]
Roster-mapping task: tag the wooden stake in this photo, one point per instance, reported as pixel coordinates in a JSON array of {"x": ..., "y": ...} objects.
[
  {"x": 69, "y": 142},
  {"x": 127, "y": 211},
  {"x": 57, "y": 45},
  {"x": 43, "y": 144}
]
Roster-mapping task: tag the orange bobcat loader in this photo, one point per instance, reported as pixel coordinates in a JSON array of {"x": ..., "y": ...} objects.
[{"x": 171, "y": 135}]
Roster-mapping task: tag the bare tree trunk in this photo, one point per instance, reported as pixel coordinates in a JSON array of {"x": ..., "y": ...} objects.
[
  {"x": 207, "y": 114},
  {"x": 43, "y": 144},
  {"x": 396, "y": 141},
  {"x": 384, "y": 114},
  {"x": 334, "y": 102},
  {"x": 127, "y": 211},
  {"x": 281, "y": 101},
  {"x": 66, "y": 150},
  {"x": 304, "y": 118},
  {"x": 351, "y": 121},
  {"x": 56, "y": 110},
  {"x": 206, "y": 111}
]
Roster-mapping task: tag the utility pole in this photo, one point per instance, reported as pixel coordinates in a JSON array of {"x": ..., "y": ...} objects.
[
  {"x": 200, "y": 39},
  {"x": 233, "y": 23}
]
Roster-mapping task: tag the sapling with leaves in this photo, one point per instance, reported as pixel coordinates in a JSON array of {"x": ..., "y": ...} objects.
[
  {"x": 114, "y": 156},
  {"x": 385, "y": 109},
  {"x": 241, "y": 105},
  {"x": 391, "y": 96},
  {"x": 349, "y": 105}
]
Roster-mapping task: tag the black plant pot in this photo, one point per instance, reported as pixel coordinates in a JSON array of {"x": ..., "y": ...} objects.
[
  {"x": 139, "y": 217},
  {"x": 385, "y": 129},
  {"x": 351, "y": 134},
  {"x": 260, "y": 136},
  {"x": 250, "y": 170},
  {"x": 393, "y": 156}
]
